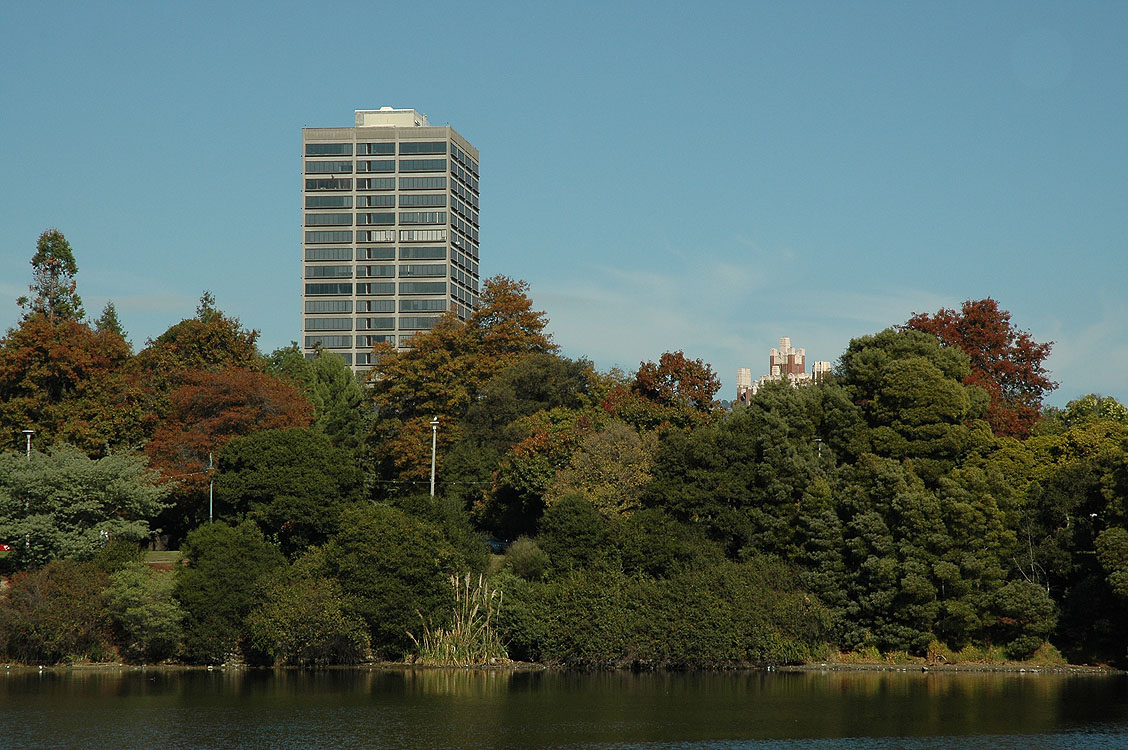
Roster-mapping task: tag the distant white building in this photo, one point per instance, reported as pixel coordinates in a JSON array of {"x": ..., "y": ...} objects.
[{"x": 782, "y": 362}]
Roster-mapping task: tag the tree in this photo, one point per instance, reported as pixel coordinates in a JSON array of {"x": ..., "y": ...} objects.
[
  {"x": 675, "y": 391},
  {"x": 611, "y": 468},
  {"x": 57, "y": 613},
  {"x": 293, "y": 483},
  {"x": 341, "y": 408},
  {"x": 53, "y": 286},
  {"x": 220, "y": 584},
  {"x": 204, "y": 415},
  {"x": 63, "y": 504},
  {"x": 146, "y": 618},
  {"x": 392, "y": 569},
  {"x": 66, "y": 382},
  {"x": 109, "y": 321},
  {"x": 1005, "y": 361}
]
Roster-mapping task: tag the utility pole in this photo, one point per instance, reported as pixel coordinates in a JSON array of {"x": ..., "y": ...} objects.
[{"x": 434, "y": 435}]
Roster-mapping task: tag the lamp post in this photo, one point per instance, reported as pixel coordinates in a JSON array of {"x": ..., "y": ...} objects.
[
  {"x": 434, "y": 435},
  {"x": 27, "y": 498}
]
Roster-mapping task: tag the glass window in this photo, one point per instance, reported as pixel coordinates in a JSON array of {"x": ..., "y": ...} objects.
[
  {"x": 376, "y": 305},
  {"x": 373, "y": 149},
  {"x": 422, "y": 287},
  {"x": 328, "y": 272},
  {"x": 328, "y": 324},
  {"x": 376, "y": 165},
  {"x": 328, "y": 167},
  {"x": 320, "y": 238},
  {"x": 422, "y": 235},
  {"x": 328, "y": 306},
  {"x": 328, "y": 253},
  {"x": 428, "y": 269},
  {"x": 422, "y": 183},
  {"x": 376, "y": 183},
  {"x": 422, "y": 165},
  {"x": 431, "y": 147},
  {"x": 369, "y": 341},
  {"x": 376, "y": 287},
  {"x": 375, "y": 201},
  {"x": 329, "y": 184},
  {"x": 422, "y": 217},
  {"x": 375, "y": 253},
  {"x": 328, "y": 149},
  {"x": 328, "y": 201},
  {"x": 386, "y": 272},
  {"x": 422, "y": 253},
  {"x": 415, "y": 323},
  {"x": 380, "y": 218},
  {"x": 329, "y": 342},
  {"x": 422, "y": 305},
  {"x": 421, "y": 199},
  {"x": 328, "y": 220},
  {"x": 375, "y": 324},
  {"x": 335, "y": 289},
  {"x": 377, "y": 235}
]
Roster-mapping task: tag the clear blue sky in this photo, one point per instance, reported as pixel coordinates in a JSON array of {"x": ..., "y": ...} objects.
[{"x": 668, "y": 175}]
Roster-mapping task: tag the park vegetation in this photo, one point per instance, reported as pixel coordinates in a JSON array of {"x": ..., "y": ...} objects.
[{"x": 920, "y": 502}]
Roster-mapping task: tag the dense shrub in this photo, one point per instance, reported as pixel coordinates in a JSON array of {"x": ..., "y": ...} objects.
[
  {"x": 57, "y": 613},
  {"x": 725, "y": 615},
  {"x": 302, "y": 620},
  {"x": 220, "y": 585},
  {"x": 392, "y": 569},
  {"x": 146, "y": 618}
]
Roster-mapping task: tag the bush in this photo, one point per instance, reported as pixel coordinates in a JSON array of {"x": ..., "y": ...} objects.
[
  {"x": 220, "y": 585},
  {"x": 730, "y": 614},
  {"x": 302, "y": 620},
  {"x": 147, "y": 619},
  {"x": 392, "y": 569},
  {"x": 527, "y": 560},
  {"x": 56, "y": 613}
]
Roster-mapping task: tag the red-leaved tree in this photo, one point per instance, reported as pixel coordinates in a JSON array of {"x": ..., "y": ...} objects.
[{"x": 1005, "y": 361}]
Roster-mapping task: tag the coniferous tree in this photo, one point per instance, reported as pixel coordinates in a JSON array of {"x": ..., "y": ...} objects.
[{"x": 53, "y": 285}]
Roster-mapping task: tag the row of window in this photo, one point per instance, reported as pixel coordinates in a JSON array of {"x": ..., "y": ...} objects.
[
  {"x": 331, "y": 306},
  {"x": 375, "y": 288},
  {"x": 339, "y": 184},
  {"x": 374, "y": 201},
  {"x": 464, "y": 244},
  {"x": 406, "y": 271},
  {"x": 383, "y": 147},
  {"x": 389, "y": 323},
  {"x": 363, "y": 166},
  {"x": 339, "y": 237},
  {"x": 463, "y": 158},
  {"x": 375, "y": 253}
]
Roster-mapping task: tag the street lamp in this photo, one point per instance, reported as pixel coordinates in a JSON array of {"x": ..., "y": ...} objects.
[
  {"x": 28, "y": 434},
  {"x": 27, "y": 498},
  {"x": 434, "y": 435}
]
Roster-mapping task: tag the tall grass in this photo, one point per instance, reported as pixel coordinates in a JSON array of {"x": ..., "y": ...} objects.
[{"x": 471, "y": 638}]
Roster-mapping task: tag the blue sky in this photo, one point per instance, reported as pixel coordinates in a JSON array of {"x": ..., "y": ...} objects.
[{"x": 698, "y": 176}]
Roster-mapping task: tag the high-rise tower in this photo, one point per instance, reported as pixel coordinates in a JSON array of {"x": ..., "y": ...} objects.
[{"x": 389, "y": 231}]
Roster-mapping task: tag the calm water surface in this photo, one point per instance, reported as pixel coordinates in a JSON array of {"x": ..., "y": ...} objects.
[{"x": 470, "y": 709}]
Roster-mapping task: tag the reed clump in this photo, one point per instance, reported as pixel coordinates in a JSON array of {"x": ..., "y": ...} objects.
[{"x": 470, "y": 638}]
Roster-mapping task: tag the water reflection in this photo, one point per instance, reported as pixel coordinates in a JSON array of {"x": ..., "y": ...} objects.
[{"x": 497, "y": 708}]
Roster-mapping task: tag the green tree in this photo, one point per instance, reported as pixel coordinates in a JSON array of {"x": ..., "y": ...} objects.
[
  {"x": 63, "y": 504},
  {"x": 293, "y": 483},
  {"x": 1005, "y": 361},
  {"x": 146, "y": 617},
  {"x": 611, "y": 468},
  {"x": 392, "y": 569},
  {"x": 341, "y": 407},
  {"x": 53, "y": 286},
  {"x": 218, "y": 587},
  {"x": 109, "y": 321},
  {"x": 302, "y": 619}
]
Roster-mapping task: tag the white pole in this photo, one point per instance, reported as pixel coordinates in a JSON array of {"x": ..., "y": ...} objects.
[{"x": 434, "y": 434}]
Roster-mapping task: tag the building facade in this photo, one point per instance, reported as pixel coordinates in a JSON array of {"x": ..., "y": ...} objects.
[
  {"x": 389, "y": 231},
  {"x": 784, "y": 362}
]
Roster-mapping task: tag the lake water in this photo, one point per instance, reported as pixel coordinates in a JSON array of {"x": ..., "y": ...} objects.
[{"x": 617, "y": 711}]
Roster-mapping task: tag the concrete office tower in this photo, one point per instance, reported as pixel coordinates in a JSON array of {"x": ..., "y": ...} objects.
[{"x": 389, "y": 231}]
